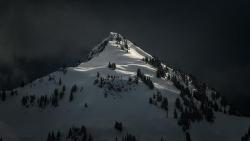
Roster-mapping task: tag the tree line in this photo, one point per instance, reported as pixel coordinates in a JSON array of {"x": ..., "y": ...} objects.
[
  {"x": 114, "y": 83},
  {"x": 159, "y": 100},
  {"x": 145, "y": 79},
  {"x": 246, "y": 136},
  {"x": 44, "y": 100},
  {"x": 156, "y": 62},
  {"x": 73, "y": 134},
  {"x": 4, "y": 94}
]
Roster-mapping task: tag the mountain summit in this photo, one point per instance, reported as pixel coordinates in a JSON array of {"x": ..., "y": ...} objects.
[
  {"x": 121, "y": 93},
  {"x": 118, "y": 41}
]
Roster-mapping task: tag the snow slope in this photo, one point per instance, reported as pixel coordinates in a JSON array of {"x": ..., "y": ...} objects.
[{"x": 131, "y": 106}]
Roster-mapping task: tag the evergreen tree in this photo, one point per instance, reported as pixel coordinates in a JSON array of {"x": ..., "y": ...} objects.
[
  {"x": 61, "y": 94},
  {"x": 96, "y": 81},
  {"x": 12, "y": 93},
  {"x": 162, "y": 139},
  {"x": 54, "y": 99},
  {"x": 145, "y": 79},
  {"x": 3, "y": 96},
  {"x": 73, "y": 89},
  {"x": 64, "y": 88},
  {"x": 90, "y": 137},
  {"x": 32, "y": 99},
  {"x": 150, "y": 100},
  {"x": 86, "y": 105},
  {"x": 139, "y": 73},
  {"x": 136, "y": 80},
  {"x": 188, "y": 138},
  {"x": 56, "y": 92},
  {"x": 129, "y": 79},
  {"x": 83, "y": 130},
  {"x": 175, "y": 114},
  {"x": 112, "y": 66},
  {"x": 60, "y": 81},
  {"x": 22, "y": 84},
  {"x": 71, "y": 97},
  {"x": 58, "y": 136},
  {"x": 160, "y": 72},
  {"x": 109, "y": 65},
  {"x": 164, "y": 104},
  {"x": 178, "y": 103},
  {"x": 69, "y": 133},
  {"x": 53, "y": 138},
  {"x": 49, "y": 137},
  {"x": 24, "y": 101},
  {"x": 118, "y": 126},
  {"x": 118, "y": 39}
]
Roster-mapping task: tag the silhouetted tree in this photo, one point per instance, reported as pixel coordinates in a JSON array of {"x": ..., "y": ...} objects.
[
  {"x": 112, "y": 66},
  {"x": 22, "y": 84},
  {"x": 3, "y": 95},
  {"x": 61, "y": 95},
  {"x": 150, "y": 100},
  {"x": 164, "y": 104},
  {"x": 58, "y": 136},
  {"x": 64, "y": 88},
  {"x": 60, "y": 81},
  {"x": 86, "y": 105},
  {"x": 145, "y": 79},
  {"x": 129, "y": 137},
  {"x": 178, "y": 103},
  {"x": 73, "y": 89},
  {"x": 175, "y": 114},
  {"x": 71, "y": 97},
  {"x": 188, "y": 138},
  {"x": 90, "y": 137},
  {"x": 118, "y": 126},
  {"x": 49, "y": 137},
  {"x": 54, "y": 99}
]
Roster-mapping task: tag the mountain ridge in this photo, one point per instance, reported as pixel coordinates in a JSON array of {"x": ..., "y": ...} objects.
[{"x": 119, "y": 85}]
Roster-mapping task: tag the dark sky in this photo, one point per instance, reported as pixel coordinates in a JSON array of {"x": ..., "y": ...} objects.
[{"x": 208, "y": 39}]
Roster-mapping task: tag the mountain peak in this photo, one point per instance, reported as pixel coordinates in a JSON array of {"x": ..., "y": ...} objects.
[
  {"x": 117, "y": 41},
  {"x": 119, "y": 81},
  {"x": 114, "y": 35},
  {"x": 101, "y": 46},
  {"x": 117, "y": 48}
]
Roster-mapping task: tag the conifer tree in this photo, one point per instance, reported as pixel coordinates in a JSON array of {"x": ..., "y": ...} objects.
[
  {"x": 177, "y": 103},
  {"x": 175, "y": 114},
  {"x": 64, "y": 88},
  {"x": 58, "y": 136},
  {"x": 60, "y": 81},
  {"x": 118, "y": 126},
  {"x": 69, "y": 133},
  {"x": 150, "y": 100},
  {"x": 61, "y": 94},
  {"x": 3, "y": 96},
  {"x": 71, "y": 97},
  {"x": 90, "y": 137},
  {"x": 188, "y": 138},
  {"x": 49, "y": 137}
]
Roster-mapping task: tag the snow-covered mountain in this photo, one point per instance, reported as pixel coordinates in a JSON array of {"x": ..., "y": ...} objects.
[{"x": 121, "y": 93}]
